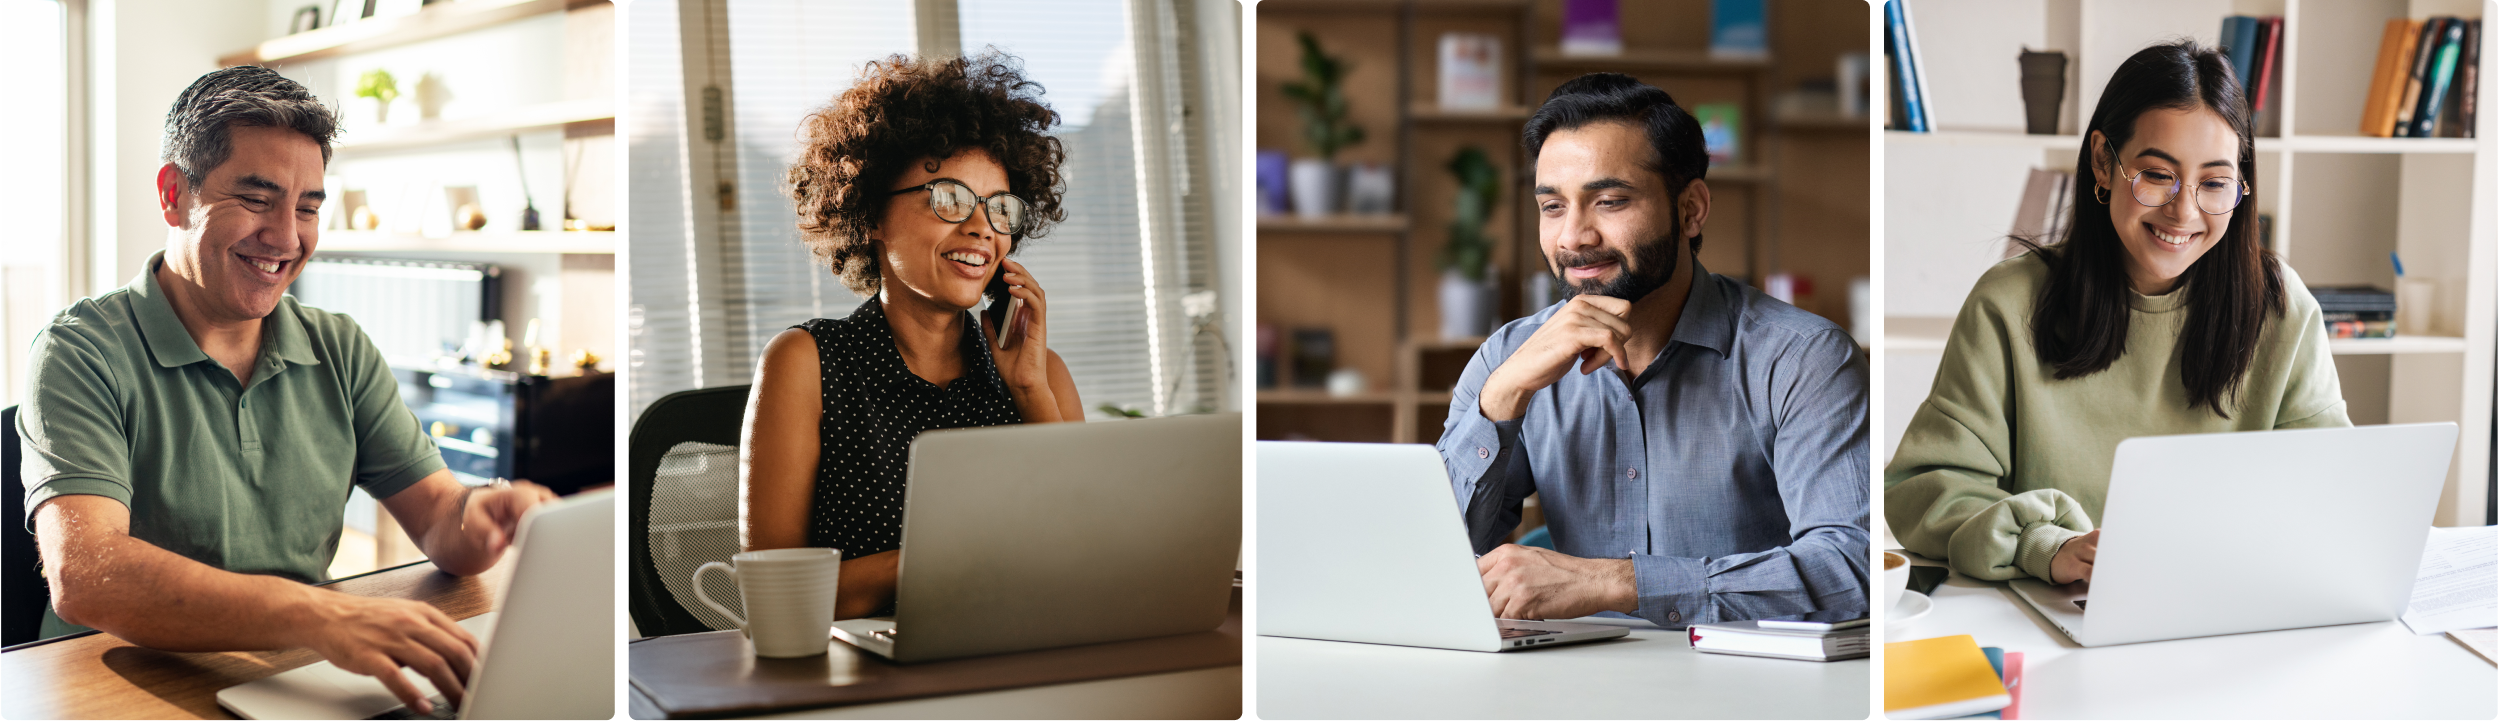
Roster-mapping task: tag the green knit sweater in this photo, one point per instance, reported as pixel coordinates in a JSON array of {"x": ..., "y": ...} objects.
[{"x": 2003, "y": 463}]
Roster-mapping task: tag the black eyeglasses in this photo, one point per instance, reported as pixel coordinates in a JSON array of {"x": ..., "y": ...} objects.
[{"x": 954, "y": 202}]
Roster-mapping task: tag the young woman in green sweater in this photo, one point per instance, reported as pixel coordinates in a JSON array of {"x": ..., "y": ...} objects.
[{"x": 2158, "y": 314}]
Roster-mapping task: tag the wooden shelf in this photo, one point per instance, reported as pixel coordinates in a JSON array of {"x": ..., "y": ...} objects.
[
  {"x": 436, "y": 20},
  {"x": 1740, "y": 173},
  {"x": 597, "y": 242},
  {"x": 1329, "y": 6},
  {"x": 1686, "y": 61},
  {"x": 1308, "y": 397},
  {"x": 1822, "y": 122},
  {"x": 1433, "y": 113},
  {"x": 1381, "y": 223},
  {"x": 561, "y": 114}
]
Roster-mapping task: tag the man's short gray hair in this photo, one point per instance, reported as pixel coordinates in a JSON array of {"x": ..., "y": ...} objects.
[{"x": 199, "y": 131}]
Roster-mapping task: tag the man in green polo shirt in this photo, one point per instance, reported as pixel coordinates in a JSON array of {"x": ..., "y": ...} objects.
[{"x": 192, "y": 437}]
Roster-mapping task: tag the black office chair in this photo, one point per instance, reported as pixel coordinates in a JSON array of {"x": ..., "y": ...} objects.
[
  {"x": 708, "y": 415},
  {"x": 23, "y": 592}
]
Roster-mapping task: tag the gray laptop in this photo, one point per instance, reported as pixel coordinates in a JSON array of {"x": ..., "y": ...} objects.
[
  {"x": 555, "y": 658},
  {"x": 1363, "y": 542},
  {"x": 2223, "y": 533},
  {"x": 1026, "y": 537}
]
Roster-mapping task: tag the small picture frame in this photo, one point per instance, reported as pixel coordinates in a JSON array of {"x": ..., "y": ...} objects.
[
  {"x": 346, "y": 11},
  {"x": 307, "y": 19}
]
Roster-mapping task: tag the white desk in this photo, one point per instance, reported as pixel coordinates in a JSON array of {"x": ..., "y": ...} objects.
[
  {"x": 2366, "y": 670},
  {"x": 1653, "y": 673}
]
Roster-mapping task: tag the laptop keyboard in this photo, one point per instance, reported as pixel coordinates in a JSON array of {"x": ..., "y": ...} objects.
[
  {"x": 1507, "y": 632},
  {"x": 442, "y": 710}
]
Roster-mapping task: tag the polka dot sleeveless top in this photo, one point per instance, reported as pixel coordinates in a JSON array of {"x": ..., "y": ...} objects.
[{"x": 873, "y": 407}]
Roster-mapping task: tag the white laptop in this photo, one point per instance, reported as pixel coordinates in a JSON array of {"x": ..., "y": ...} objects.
[
  {"x": 554, "y": 659},
  {"x": 1363, "y": 542},
  {"x": 2222, "y": 533},
  {"x": 1026, "y": 537}
]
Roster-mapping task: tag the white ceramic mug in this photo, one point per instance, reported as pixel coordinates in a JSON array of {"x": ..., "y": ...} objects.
[
  {"x": 788, "y": 594},
  {"x": 1894, "y": 579}
]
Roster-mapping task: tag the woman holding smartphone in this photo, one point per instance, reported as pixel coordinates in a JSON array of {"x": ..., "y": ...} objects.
[
  {"x": 2158, "y": 314},
  {"x": 913, "y": 187}
]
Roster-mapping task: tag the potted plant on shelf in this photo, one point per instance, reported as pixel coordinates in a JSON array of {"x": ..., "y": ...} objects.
[
  {"x": 1466, "y": 292},
  {"x": 380, "y": 89},
  {"x": 1319, "y": 97}
]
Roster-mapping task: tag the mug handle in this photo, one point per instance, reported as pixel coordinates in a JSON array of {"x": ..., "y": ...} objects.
[{"x": 706, "y": 597}]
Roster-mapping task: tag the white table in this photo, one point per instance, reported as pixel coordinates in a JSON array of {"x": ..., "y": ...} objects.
[
  {"x": 2366, "y": 670},
  {"x": 1653, "y": 673}
]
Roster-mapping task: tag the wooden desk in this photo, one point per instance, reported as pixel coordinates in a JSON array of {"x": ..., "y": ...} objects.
[{"x": 101, "y": 676}]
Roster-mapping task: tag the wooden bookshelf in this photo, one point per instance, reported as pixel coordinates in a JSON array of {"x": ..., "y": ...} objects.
[
  {"x": 570, "y": 115},
  {"x": 1374, "y": 282},
  {"x": 440, "y": 19}
]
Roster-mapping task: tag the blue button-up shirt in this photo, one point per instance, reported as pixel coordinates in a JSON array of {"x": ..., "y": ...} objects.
[{"x": 1733, "y": 472}]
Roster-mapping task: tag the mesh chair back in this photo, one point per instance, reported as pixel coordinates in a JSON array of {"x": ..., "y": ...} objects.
[
  {"x": 693, "y": 521},
  {"x": 708, "y": 417}
]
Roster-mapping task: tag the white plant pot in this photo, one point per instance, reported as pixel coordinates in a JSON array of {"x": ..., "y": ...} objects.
[
  {"x": 1314, "y": 182},
  {"x": 1465, "y": 305}
]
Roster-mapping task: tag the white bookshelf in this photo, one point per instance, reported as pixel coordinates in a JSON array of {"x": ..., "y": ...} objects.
[{"x": 2340, "y": 202}]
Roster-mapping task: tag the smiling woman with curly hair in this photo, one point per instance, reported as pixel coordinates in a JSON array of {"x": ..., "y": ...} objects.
[{"x": 913, "y": 186}]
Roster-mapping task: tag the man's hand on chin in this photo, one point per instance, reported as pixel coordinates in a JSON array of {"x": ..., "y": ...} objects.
[{"x": 1534, "y": 583}]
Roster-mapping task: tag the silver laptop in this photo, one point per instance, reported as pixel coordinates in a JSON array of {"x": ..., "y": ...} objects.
[
  {"x": 555, "y": 658},
  {"x": 1038, "y": 536},
  {"x": 1363, "y": 542},
  {"x": 2223, "y": 533}
]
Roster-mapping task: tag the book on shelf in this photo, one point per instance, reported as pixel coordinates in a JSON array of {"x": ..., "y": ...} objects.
[
  {"x": 1908, "y": 74},
  {"x": 2424, "y": 51},
  {"x": 2352, "y": 298},
  {"x": 1721, "y": 131},
  {"x": 2237, "y": 40},
  {"x": 2347, "y": 325},
  {"x": 2394, "y": 53},
  {"x": 2046, "y": 208},
  {"x": 1939, "y": 678},
  {"x": 1470, "y": 71},
  {"x": 1738, "y": 29},
  {"x": 1591, "y": 27},
  {"x": 2267, "y": 75},
  {"x": 2468, "y": 80},
  {"x": 2441, "y": 76}
]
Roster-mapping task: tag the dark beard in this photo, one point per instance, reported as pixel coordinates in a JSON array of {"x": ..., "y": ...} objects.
[{"x": 1654, "y": 264}]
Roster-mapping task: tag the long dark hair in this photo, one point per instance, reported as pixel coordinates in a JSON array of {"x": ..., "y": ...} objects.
[{"x": 2231, "y": 291}]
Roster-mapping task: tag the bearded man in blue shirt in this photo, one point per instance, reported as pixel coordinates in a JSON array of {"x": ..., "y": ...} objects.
[{"x": 1699, "y": 448}]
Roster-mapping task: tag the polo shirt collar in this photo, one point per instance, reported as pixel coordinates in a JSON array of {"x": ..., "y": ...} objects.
[
  {"x": 1708, "y": 318},
  {"x": 282, "y": 338}
]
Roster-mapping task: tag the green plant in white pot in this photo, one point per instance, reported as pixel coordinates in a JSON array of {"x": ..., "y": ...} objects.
[
  {"x": 1319, "y": 98},
  {"x": 377, "y": 89},
  {"x": 1467, "y": 295}
]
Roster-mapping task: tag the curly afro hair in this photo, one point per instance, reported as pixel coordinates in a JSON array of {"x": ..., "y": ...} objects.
[{"x": 904, "y": 110}]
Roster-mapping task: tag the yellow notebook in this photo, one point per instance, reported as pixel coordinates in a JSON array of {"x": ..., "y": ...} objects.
[{"x": 1937, "y": 678}]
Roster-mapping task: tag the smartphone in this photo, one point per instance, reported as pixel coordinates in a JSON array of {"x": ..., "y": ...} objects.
[
  {"x": 1001, "y": 311},
  {"x": 1923, "y": 579}
]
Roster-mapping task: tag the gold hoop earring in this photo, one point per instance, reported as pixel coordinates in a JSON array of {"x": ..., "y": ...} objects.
[{"x": 2101, "y": 193}]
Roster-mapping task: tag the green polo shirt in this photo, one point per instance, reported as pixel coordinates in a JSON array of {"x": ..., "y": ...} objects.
[{"x": 123, "y": 404}]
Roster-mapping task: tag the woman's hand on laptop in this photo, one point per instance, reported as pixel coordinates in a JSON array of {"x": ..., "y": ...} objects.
[
  {"x": 377, "y": 636},
  {"x": 2074, "y": 559},
  {"x": 1533, "y": 583}
]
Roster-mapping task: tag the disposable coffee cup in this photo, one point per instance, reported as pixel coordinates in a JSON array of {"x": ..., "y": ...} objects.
[
  {"x": 1894, "y": 579},
  {"x": 788, "y": 595}
]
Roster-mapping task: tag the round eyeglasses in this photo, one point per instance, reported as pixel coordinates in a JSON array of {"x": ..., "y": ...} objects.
[
  {"x": 954, "y": 202},
  {"x": 2154, "y": 187}
]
